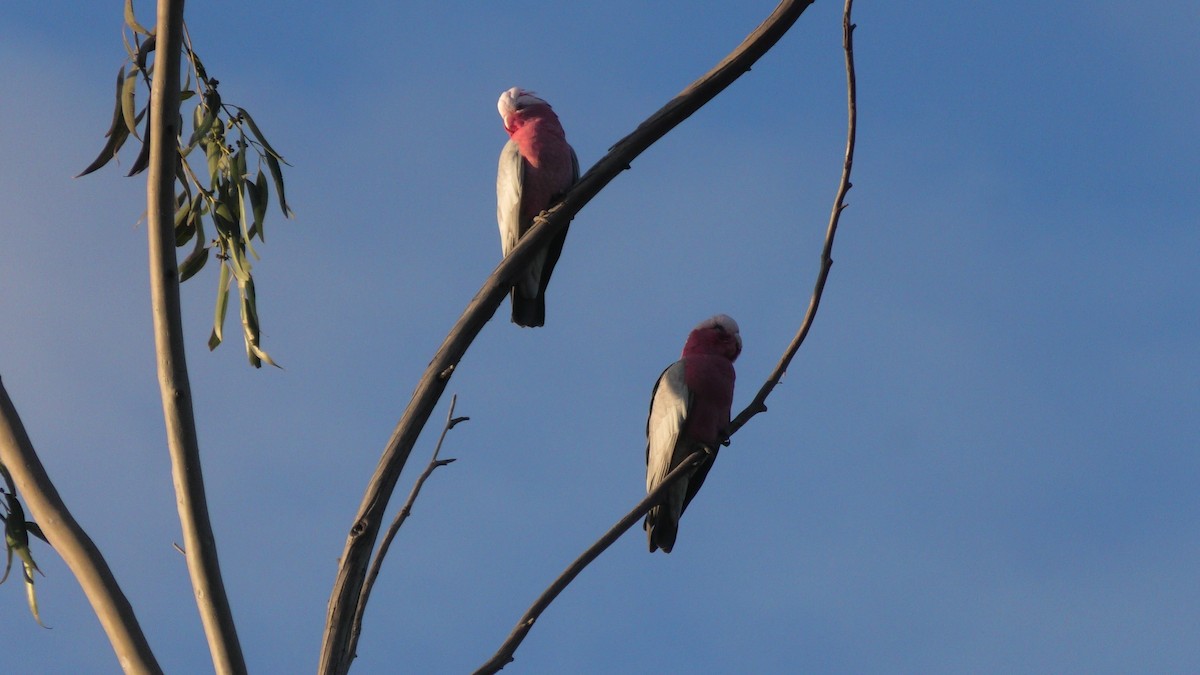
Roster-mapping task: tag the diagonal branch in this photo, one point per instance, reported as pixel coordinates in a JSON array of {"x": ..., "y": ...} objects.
[
  {"x": 405, "y": 511},
  {"x": 184, "y": 447},
  {"x": 504, "y": 655},
  {"x": 72, "y": 543},
  {"x": 336, "y": 654}
]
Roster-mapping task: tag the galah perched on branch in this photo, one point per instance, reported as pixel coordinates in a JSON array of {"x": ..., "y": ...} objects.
[
  {"x": 536, "y": 167},
  {"x": 689, "y": 409}
]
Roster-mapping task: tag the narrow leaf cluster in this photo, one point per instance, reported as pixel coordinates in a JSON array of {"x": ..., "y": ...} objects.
[
  {"x": 16, "y": 540},
  {"x": 228, "y": 190}
]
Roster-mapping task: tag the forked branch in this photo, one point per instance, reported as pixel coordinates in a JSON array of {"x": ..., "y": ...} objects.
[
  {"x": 336, "y": 654},
  {"x": 504, "y": 655}
]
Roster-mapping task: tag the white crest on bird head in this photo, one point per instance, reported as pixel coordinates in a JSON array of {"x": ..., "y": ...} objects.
[
  {"x": 722, "y": 322},
  {"x": 514, "y": 99}
]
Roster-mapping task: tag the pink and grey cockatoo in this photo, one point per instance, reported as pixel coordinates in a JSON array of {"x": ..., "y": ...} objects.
[
  {"x": 536, "y": 166},
  {"x": 689, "y": 409}
]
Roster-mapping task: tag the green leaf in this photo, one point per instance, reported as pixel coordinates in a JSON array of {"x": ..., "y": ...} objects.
[
  {"x": 242, "y": 171},
  {"x": 196, "y": 221},
  {"x": 194, "y": 262},
  {"x": 223, "y": 217},
  {"x": 36, "y": 530},
  {"x": 8, "y": 551},
  {"x": 181, "y": 173},
  {"x": 143, "y": 158},
  {"x": 201, "y": 74},
  {"x": 232, "y": 244},
  {"x": 250, "y": 333},
  {"x": 258, "y": 134},
  {"x": 259, "y": 197},
  {"x": 30, "y": 593},
  {"x": 128, "y": 47},
  {"x": 263, "y": 355},
  {"x": 250, "y": 327},
  {"x": 212, "y": 151},
  {"x": 277, "y": 176},
  {"x": 239, "y": 186},
  {"x": 211, "y": 105},
  {"x": 199, "y": 208},
  {"x": 128, "y": 88},
  {"x": 143, "y": 52},
  {"x": 185, "y": 225},
  {"x": 202, "y": 126},
  {"x": 16, "y": 540},
  {"x": 108, "y": 152},
  {"x": 117, "y": 131},
  {"x": 238, "y": 263},
  {"x": 132, "y": 22},
  {"x": 118, "y": 111},
  {"x": 222, "y": 306}
]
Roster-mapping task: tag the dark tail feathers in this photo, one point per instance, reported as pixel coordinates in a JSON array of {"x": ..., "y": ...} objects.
[
  {"x": 660, "y": 531},
  {"x": 528, "y": 312}
]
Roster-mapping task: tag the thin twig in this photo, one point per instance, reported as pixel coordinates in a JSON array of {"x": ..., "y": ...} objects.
[
  {"x": 335, "y": 653},
  {"x": 759, "y": 403},
  {"x": 504, "y": 655},
  {"x": 71, "y": 542},
  {"x": 385, "y": 544},
  {"x": 178, "y": 415}
]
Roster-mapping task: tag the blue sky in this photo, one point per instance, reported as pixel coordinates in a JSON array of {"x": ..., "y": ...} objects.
[{"x": 982, "y": 460}]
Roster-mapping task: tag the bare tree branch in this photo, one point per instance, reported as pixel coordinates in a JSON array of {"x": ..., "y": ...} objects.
[
  {"x": 405, "y": 511},
  {"x": 72, "y": 543},
  {"x": 336, "y": 654},
  {"x": 759, "y": 403},
  {"x": 504, "y": 655},
  {"x": 199, "y": 542}
]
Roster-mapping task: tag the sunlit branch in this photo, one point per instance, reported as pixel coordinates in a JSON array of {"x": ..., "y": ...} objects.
[
  {"x": 336, "y": 655},
  {"x": 504, "y": 655},
  {"x": 178, "y": 415},
  {"x": 70, "y": 541}
]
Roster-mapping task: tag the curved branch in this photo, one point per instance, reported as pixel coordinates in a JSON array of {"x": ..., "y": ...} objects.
[
  {"x": 759, "y": 403},
  {"x": 335, "y": 652},
  {"x": 199, "y": 542},
  {"x": 504, "y": 655},
  {"x": 70, "y": 541}
]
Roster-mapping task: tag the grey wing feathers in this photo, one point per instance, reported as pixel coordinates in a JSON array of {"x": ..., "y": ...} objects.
[
  {"x": 510, "y": 178},
  {"x": 669, "y": 406}
]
